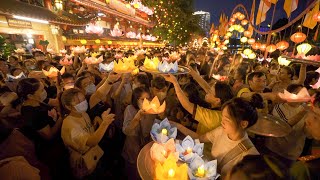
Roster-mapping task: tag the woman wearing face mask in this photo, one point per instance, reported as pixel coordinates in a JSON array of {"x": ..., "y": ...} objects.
[
  {"x": 42, "y": 123},
  {"x": 237, "y": 116},
  {"x": 79, "y": 134},
  {"x": 136, "y": 127}
]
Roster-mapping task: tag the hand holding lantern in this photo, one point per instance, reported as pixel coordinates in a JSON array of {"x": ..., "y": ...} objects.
[
  {"x": 53, "y": 72},
  {"x": 66, "y": 61},
  {"x": 153, "y": 107}
]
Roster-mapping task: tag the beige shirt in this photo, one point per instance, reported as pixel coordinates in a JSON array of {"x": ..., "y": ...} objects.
[{"x": 221, "y": 145}]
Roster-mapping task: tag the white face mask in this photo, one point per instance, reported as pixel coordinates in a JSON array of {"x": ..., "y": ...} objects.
[
  {"x": 90, "y": 89},
  {"x": 43, "y": 95},
  {"x": 82, "y": 107}
]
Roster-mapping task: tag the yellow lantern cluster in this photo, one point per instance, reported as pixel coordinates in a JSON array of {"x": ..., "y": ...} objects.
[
  {"x": 83, "y": 41},
  {"x": 304, "y": 48},
  {"x": 244, "y": 39}
]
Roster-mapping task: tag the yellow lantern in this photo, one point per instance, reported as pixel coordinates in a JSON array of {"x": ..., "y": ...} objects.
[
  {"x": 226, "y": 42},
  {"x": 241, "y": 30},
  {"x": 304, "y": 48},
  {"x": 247, "y": 51},
  {"x": 83, "y": 41},
  {"x": 171, "y": 170},
  {"x": 229, "y": 34},
  {"x": 252, "y": 56},
  {"x": 244, "y": 39},
  {"x": 247, "y": 34},
  {"x": 97, "y": 41},
  {"x": 109, "y": 42},
  {"x": 151, "y": 64},
  {"x": 231, "y": 28},
  {"x": 136, "y": 5},
  {"x": 251, "y": 41},
  {"x": 53, "y": 72},
  {"x": 241, "y": 17},
  {"x": 283, "y": 61},
  {"x": 271, "y": 48}
]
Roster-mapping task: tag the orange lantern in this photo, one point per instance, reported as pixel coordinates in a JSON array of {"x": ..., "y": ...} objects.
[
  {"x": 316, "y": 17},
  {"x": 94, "y": 46},
  {"x": 256, "y": 46},
  {"x": 71, "y": 48},
  {"x": 238, "y": 14},
  {"x": 263, "y": 47},
  {"x": 231, "y": 23},
  {"x": 234, "y": 16},
  {"x": 247, "y": 34},
  {"x": 271, "y": 48},
  {"x": 88, "y": 47},
  {"x": 241, "y": 17},
  {"x": 244, "y": 22},
  {"x": 282, "y": 45},
  {"x": 251, "y": 41},
  {"x": 232, "y": 20},
  {"x": 298, "y": 37}
]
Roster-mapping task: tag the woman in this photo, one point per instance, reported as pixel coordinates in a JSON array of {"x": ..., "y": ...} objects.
[
  {"x": 237, "y": 116},
  {"x": 136, "y": 126},
  {"x": 79, "y": 135}
]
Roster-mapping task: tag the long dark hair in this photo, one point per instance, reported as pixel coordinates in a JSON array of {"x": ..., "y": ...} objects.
[
  {"x": 223, "y": 91},
  {"x": 27, "y": 86},
  {"x": 194, "y": 96},
  {"x": 136, "y": 94}
]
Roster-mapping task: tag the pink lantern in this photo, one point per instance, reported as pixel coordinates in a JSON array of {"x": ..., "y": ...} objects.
[{"x": 94, "y": 29}]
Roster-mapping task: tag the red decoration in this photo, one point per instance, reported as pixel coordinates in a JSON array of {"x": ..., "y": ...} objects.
[
  {"x": 271, "y": 48},
  {"x": 282, "y": 45},
  {"x": 298, "y": 37},
  {"x": 256, "y": 46}
]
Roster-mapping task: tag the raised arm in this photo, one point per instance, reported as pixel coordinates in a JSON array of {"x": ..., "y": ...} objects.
[
  {"x": 302, "y": 74},
  {"x": 188, "y": 132},
  {"x": 204, "y": 85}
]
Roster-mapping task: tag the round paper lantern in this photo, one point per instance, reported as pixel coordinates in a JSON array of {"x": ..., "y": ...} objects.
[
  {"x": 263, "y": 47},
  {"x": 231, "y": 28},
  {"x": 252, "y": 56},
  {"x": 282, "y": 45},
  {"x": 226, "y": 37},
  {"x": 237, "y": 27},
  {"x": 304, "y": 48},
  {"x": 229, "y": 34},
  {"x": 234, "y": 16},
  {"x": 226, "y": 42},
  {"x": 298, "y": 37},
  {"x": 247, "y": 34},
  {"x": 241, "y": 30},
  {"x": 244, "y": 22},
  {"x": 244, "y": 39},
  {"x": 256, "y": 46},
  {"x": 238, "y": 14},
  {"x": 83, "y": 41},
  {"x": 271, "y": 48},
  {"x": 232, "y": 20},
  {"x": 97, "y": 41},
  {"x": 316, "y": 17},
  {"x": 251, "y": 41},
  {"x": 231, "y": 23},
  {"x": 241, "y": 17},
  {"x": 283, "y": 61},
  {"x": 247, "y": 51},
  {"x": 224, "y": 47}
]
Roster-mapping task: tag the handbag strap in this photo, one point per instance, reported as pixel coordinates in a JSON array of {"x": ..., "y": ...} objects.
[{"x": 243, "y": 146}]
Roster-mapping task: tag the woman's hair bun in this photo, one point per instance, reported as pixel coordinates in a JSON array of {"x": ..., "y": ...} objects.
[{"x": 257, "y": 101}]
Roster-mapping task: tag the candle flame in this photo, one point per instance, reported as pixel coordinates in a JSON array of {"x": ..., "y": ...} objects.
[
  {"x": 164, "y": 132},
  {"x": 171, "y": 173},
  {"x": 200, "y": 172}
]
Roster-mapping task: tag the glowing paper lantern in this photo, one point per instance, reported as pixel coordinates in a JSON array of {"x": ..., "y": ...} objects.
[
  {"x": 124, "y": 67},
  {"x": 162, "y": 131},
  {"x": 247, "y": 33},
  {"x": 244, "y": 22},
  {"x": 263, "y": 47},
  {"x": 251, "y": 41},
  {"x": 302, "y": 96},
  {"x": 97, "y": 41},
  {"x": 106, "y": 67},
  {"x": 160, "y": 152},
  {"x": 244, "y": 39},
  {"x": 304, "y": 48},
  {"x": 170, "y": 170},
  {"x": 226, "y": 37},
  {"x": 241, "y": 17},
  {"x": 83, "y": 41},
  {"x": 316, "y": 17},
  {"x": 282, "y": 45},
  {"x": 63, "y": 51},
  {"x": 166, "y": 67},
  {"x": 199, "y": 169},
  {"x": 241, "y": 30},
  {"x": 93, "y": 60},
  {"x": 226, "y": 42},
  {"x": 247, "y": 51},
  {"x": 66, "y": 61},
  {"x": 229, "y": 34},
  {"x": 94, "y": 29},
  {"x": 256, "y": 46},
  {"x": 238, "y": 14},
  {"x": 298, "y": 37},
  {"x": 53, "y": 72},
  {"x": 283, "y": 61},
  {"x": 271, "y": 48},
  {"x": 232, "y": 20},
  {"x": 151, "y": 64},
  {"x": 252, "y": 56},
  {"x": 189, "y": 148}
]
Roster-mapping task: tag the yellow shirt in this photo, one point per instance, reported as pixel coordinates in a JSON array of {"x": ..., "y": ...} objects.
[{"x": 208, "y": 119}]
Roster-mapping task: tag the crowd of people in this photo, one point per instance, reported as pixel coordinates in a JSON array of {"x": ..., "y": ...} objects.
[{"x": 87, "y": 123}]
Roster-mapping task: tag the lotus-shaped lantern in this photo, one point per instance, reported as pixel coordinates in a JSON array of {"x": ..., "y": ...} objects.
[
  {"x": 131, "y": 35},
  {"x": 219, "y": 77},
  {"x": 93, "y": 60},
  {"x": 302, "y": 96},
  {"x": 162, "y": 131},
  {"x": 188, "y": 148},
  {"x": 170, "y": 170},
  {"x": 106, "y": 67},
  {"x": 66, "y": 61},
  {"x": 20, "y": 51},
  {"x": 12, "y": 78},
  {"x": 154, "y": 106},
  {"x": 140, "y": 52},
  {"x": 116, "y": 32},
  {"x": 160, "y": 152},
  {"x": 174, "y": 56},
  {"x": 124, "y": 66},
  {"x": 63, "y": 51},
  {"x": 138, "y": 36},
  {"x": 102, "y": 49},
  {"x": 94, "y": 29},
  {"x": 199, "y": 169},
  {"x": 51, "y": 51},
  {"x": 79, "y": 50},
  {"x": 166, "y": 67},
  {"x": 35, "y": 49},
  {"x": 151, "y": 64},
  {"x": 53, "y": 72}
]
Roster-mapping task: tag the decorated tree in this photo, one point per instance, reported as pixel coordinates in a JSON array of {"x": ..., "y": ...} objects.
[
  {"x": 174, "y": 20},
  {"x": 5, "y": 47}
]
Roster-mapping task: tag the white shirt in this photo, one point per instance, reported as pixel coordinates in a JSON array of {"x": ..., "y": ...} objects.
[{"x": 221, "y": 145}]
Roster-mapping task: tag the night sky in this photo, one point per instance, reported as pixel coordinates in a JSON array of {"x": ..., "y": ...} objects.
[{"x": 215, "y": 7}]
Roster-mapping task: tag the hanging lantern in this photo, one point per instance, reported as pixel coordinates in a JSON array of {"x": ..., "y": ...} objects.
[
  {"x": 247, "y": 51},
  {"x": 298, "y": 37},
  {"x": 238, "y": 14},
  {"x": 244, "y": 39},
  {"x": 226, "y": 42},
  {"x": 271, "y": 48},
  {"x": 241, "y": 30},
  {"x": 232, "y": 20},
  {"x": 59, "y": 4},
  {"x": 97, "y": 41},
  {"x": 109, "y": 42},
  {"x": 263, "y": 47},
  {"x": 316, "y": 17},
  {"x": 304, "y": 48},
  {"x": 282, "y": 45},
  {"x": 256, "y": 46},
  {"x": 83, "y": 41},
  {"x": 251, "y": 41},
  {"x": 241, "y": 17},
  {"x": 234, "y": 16},
  {"x": 226, "y": 37},
  {"x": 231, "y": 28},
  {"x": 247, "y": 34},
  {"x": 244, "y": 22},
  {"x": 252, "y": 56},
  {"x": 283, "y": 61},
  {"x": 229, "y": 34}
]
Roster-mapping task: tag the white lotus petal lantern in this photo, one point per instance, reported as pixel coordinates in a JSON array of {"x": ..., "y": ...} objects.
[
  {"x": 302, "y": 96},
  {"x": 53, "y": 72},
  {"x": 93, "y": 60}
]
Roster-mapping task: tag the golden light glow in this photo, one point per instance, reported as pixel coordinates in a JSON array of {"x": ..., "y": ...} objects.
[
  {"x": 244, "y": 39},
  {"x": 200, "y": 171},
  {"x": 304, "y": 48},
  {"x": 164, "y": 132}
]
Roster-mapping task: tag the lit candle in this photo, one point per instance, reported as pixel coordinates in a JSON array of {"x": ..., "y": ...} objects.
[
  {"x": 200, "y": 172},
  {"x": 164, "y": 153},
  {"x": 188, "y": 151},
  {"x": 164, "y": 132},
  {"x": 171, "y": 173}
]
